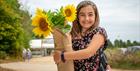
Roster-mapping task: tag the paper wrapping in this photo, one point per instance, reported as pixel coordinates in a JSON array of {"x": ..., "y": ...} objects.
[{"x": 63, "y": 43}]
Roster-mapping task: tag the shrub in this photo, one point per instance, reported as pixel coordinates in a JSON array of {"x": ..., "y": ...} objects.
[{"x": 3, "y": 55}]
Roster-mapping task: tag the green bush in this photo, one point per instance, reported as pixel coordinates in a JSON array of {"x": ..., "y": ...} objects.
[
  {"x": 15, "y": 32},
  {"x": 3, "y": 55}
]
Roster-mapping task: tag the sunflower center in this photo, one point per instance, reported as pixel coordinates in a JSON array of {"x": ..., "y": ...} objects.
[
  {"x": 68, "y": 12},
  {"x": 43, "y": 24}
]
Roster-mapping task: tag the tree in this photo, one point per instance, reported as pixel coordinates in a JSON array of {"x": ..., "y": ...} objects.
[
  {"x": 128, "y": 43},
  {"x": 116, "y": 43},
  {"x": 136, "y": 43},
  {"x": 110, "y": 44},
  {"x": 26, "y": 25},
  {"x": 12, "y": 33}
]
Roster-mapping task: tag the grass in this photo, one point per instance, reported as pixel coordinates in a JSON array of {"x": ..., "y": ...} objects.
[{"x": 123, "y": 61}]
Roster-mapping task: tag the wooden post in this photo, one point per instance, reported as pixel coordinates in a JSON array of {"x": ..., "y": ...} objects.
[{"x": 42, "y": 47}]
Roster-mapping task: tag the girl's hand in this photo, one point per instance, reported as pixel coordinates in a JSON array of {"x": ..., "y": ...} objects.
[
  {"x": 57, "y": 56},
  {"x": 108, "y": 68}
]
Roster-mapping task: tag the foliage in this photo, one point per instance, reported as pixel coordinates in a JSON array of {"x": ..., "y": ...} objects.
[
  {"x": 12, "y": 34},
  {"x": 10, "y": 30},
  {"x": 58, "y": 20},
  {"x": 3, "y": 55},
  {"x": 26, "y": 25},
  {"x": 122, "y": 44}
]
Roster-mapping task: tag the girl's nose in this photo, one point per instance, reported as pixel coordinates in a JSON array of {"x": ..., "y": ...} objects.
[{"x": 87, "y": 18}]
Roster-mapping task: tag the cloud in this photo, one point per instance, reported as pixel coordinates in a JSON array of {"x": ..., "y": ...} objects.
[{"x": 118, "y": 11}]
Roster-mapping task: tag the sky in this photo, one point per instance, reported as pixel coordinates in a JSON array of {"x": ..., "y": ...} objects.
[{"x": 120, "y": 18}]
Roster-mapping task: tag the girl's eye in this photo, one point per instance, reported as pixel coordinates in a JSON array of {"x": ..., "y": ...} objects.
[
  {"x": 90, "y": 14},
  {"x": 82, "y": 15}
]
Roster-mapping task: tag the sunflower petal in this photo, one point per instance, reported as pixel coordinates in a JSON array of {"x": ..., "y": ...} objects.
[
  {"x": 70, "y": 12},
  {"x": 41, "y": 23}
]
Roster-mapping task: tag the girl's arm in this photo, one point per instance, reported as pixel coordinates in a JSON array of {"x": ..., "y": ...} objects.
[{"x": 96, "y": 42}]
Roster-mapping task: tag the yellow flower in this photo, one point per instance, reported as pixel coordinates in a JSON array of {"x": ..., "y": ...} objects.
[
  {"x": 41, "y": 24},
  {"x": 70, "y": 12}
]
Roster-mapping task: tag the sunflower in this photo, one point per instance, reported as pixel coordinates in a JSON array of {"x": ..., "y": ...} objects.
[
  {"x": 69, "y": 12},
  {"x": 41, "y": 24}
]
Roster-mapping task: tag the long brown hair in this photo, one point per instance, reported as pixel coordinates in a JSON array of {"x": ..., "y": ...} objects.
[{"x": 76, "y": 27}]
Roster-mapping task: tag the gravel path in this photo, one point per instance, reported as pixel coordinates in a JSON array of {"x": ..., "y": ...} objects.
[
  {"x": 35, "y": 64},
  {"x": 38, "y": 64}
]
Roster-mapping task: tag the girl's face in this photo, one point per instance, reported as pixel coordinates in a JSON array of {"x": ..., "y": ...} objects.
[{"x": 86, "y": 17}]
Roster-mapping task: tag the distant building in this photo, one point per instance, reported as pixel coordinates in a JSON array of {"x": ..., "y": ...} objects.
[
  {"x": 130, "y": 49},
  {"x": 133, "y": 49},
  {"x": 42, "y": 47},
  {"x": 123, "y": 50}
]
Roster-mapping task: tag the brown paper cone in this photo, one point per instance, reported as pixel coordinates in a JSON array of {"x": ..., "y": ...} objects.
[{"x": 62, "y": 43}]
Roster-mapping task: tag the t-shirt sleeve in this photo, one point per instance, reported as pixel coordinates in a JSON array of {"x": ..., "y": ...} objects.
[{"x": 103, "y": 32}]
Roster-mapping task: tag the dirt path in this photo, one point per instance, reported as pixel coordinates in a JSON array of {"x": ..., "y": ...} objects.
[{"x": 37, "y": 64}]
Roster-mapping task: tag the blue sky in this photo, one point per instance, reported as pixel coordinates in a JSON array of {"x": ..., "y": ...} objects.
[{"x": 120, "y": 18}]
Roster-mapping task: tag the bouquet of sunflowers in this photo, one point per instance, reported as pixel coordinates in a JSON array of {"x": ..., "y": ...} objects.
[
  {"x": 56, "y": 23},
  {"x": 44, "y": 22}
]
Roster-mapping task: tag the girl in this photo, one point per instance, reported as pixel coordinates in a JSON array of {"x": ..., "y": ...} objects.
[{"x": 87, "y": 38}]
